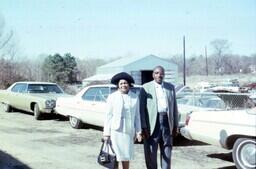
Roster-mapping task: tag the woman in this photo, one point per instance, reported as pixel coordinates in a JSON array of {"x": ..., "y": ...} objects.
[{"x": 122, "y": 122}]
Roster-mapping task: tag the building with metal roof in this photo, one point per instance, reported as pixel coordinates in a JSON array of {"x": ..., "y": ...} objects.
[{"x": 140, "y": 68}]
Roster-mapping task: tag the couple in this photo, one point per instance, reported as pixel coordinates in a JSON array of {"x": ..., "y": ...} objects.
[{"x": 152, "y": 117}]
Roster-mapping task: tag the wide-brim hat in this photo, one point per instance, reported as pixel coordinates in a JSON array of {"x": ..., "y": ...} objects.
[{"x": 123, "y": 75}]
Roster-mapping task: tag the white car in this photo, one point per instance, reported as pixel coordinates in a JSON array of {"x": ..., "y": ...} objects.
[
  {"x": 88, "y": 106},
  {"x": 182, "y": 90},
  {"x": 193, "y": 102},
  {"x": 229, "y": 129}
]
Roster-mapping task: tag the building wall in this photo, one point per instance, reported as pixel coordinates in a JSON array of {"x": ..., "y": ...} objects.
[
  {"x": 149, "y": 63},
  {"x": 144, "y": 64}
]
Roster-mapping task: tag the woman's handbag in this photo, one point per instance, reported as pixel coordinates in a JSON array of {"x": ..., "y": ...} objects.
[{"x": 107, "y": 157}]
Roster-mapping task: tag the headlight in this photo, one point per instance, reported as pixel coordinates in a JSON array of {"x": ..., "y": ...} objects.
[{"x": 50, "y": 103}]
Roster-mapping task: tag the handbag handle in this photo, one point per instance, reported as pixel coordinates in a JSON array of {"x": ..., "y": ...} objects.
[{"x": 108, "y": 143}]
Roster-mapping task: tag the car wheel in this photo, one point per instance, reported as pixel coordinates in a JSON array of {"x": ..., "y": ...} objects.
[
  {"x": 37, "y": 113},
  {"x": 244, "y": 153},
  {"x": 7, "y": 107},
  {"x": 75, "y": 122}
]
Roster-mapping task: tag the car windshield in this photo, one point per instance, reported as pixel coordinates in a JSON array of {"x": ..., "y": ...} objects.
[
  {"x": 44, "y": 88},
  {"x": 202, "y": 101},
  {"x": 178, "y": 87}
]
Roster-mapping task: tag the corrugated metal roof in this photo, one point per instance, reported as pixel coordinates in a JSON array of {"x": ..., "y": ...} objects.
[
  {"x": 132, "y": 64},
  {"x": 126, "y": 61},
  {"x": 99, "y": 77}
]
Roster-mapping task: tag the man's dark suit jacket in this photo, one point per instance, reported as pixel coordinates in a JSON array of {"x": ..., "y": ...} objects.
[{"x": 148, "y": 106}]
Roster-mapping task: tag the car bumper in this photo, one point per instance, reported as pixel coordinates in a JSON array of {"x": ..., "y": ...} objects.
[{"x": 185, "y": 132}]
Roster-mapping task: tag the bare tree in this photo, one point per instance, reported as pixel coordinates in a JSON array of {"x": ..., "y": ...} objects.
[
  {"x": 195, "y": 65},
  {"x": 178, "y": 59},
  {"x": 8, "y": 51},
  {"x": 7, "y": 44},
  {"x": 88, "y": 67},
  {"x": 220, "y": 49},
  {"x": 232, "y": 64}
]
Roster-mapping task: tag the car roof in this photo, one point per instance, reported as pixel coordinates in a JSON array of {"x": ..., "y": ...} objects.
[
  {"x": 108, "y": 85},
  {"x": 34, "y": 82}
]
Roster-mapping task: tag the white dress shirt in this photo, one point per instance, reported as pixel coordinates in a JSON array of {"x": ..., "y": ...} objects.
[{"x": 161, "y": 98}]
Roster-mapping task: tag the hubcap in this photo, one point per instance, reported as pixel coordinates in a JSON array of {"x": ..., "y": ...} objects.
[
  {"x": 73, "y": 121},
  {"x": 5, "y": 107},
  {"x": 35, "y": 111},
  {"x": 248, "y": 154}
]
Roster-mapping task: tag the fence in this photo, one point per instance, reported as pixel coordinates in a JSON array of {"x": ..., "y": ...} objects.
[{"x": 220, "y": 101}]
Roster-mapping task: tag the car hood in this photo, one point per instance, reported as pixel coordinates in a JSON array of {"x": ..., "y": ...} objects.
[{"x": 50, "y": 95}]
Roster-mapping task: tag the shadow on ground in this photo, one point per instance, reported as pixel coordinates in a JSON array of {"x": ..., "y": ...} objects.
[
  {"x": 44, "y": 116},
  {"x": 228, "y": 167},
  {"x": 53, "y": 116},
  {"x": 222, "y": 156},
  {"x": 9, "y": 162},
  {"x": 182, "y": 141},
  {"x": 57, "y": 117},
  {"x": 88, "y": 126},
  {"x": 225, "y": 157}
]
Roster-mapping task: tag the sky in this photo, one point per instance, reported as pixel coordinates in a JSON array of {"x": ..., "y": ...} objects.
[{"x": 124, "y": 28}]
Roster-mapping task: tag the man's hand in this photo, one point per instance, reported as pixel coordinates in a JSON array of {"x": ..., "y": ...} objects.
[
  {"x": 175, "y": 132},
  {"x": 145, "y": 134}
]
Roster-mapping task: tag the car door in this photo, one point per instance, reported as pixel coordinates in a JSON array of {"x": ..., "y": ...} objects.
[
  {"x": 17, "y": 97},
  {"x": 101, "y": 104},
  {"x": 94, "y": 105}
]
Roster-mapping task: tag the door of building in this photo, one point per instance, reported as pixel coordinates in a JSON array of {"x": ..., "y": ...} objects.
[{"x": 146, "y": 76}]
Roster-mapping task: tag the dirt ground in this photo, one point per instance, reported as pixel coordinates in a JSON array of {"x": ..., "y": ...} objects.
[{"x": 52, "y": 144}]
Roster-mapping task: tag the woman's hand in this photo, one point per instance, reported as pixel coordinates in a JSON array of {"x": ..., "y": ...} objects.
[
  {"x": 106, "y": 138},
  {"x": 139, "y": 137}
]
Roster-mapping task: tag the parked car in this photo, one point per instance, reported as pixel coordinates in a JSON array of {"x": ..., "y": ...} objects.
[
  {"x": 205, "y": 101},
  {"x": 193, "y": 102},
  {"x": 35, "y": 97},
  {"x": 229, "y": 129},
  {"x": 248, "y": 88},
  {"x": 182, "y": 90},
  {"x": 253, "y": 98},
  {"x": 88, "y": 106}
]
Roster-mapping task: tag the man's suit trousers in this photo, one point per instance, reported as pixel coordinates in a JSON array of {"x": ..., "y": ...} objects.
[{"x": 161, "y": 136}]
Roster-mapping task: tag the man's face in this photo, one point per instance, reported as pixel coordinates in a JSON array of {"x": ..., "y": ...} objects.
[{"x": 158, "y": 75}]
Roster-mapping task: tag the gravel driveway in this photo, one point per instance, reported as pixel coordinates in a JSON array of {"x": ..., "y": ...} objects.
[{"x": 52, "y": 144}]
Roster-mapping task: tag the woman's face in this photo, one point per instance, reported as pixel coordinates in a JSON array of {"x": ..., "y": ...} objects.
[{"x": 123, "y": 86}]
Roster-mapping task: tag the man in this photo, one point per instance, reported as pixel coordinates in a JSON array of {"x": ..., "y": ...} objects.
[{"x": 159, "y": 119}]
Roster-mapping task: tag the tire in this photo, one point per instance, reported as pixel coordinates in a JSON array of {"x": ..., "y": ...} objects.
[
  {"x": 37, "y": 114},
  {"x": 244, "y": 153},
  {"x": 75, "y": 122},
  {"x": 7, "y": 107}
]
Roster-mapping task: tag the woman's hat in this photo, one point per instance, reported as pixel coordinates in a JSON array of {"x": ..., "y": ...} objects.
[{"x": 123, "y": 75}]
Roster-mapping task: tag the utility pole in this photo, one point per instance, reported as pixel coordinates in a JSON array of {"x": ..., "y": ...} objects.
[
  {"x": 184, "y": 62},
  {"x": 206, "y": 60}
]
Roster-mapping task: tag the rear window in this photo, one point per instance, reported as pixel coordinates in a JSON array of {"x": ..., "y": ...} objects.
[
  {"x": 44, "y": 88},
  {"x": 20, "y": 88}
]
